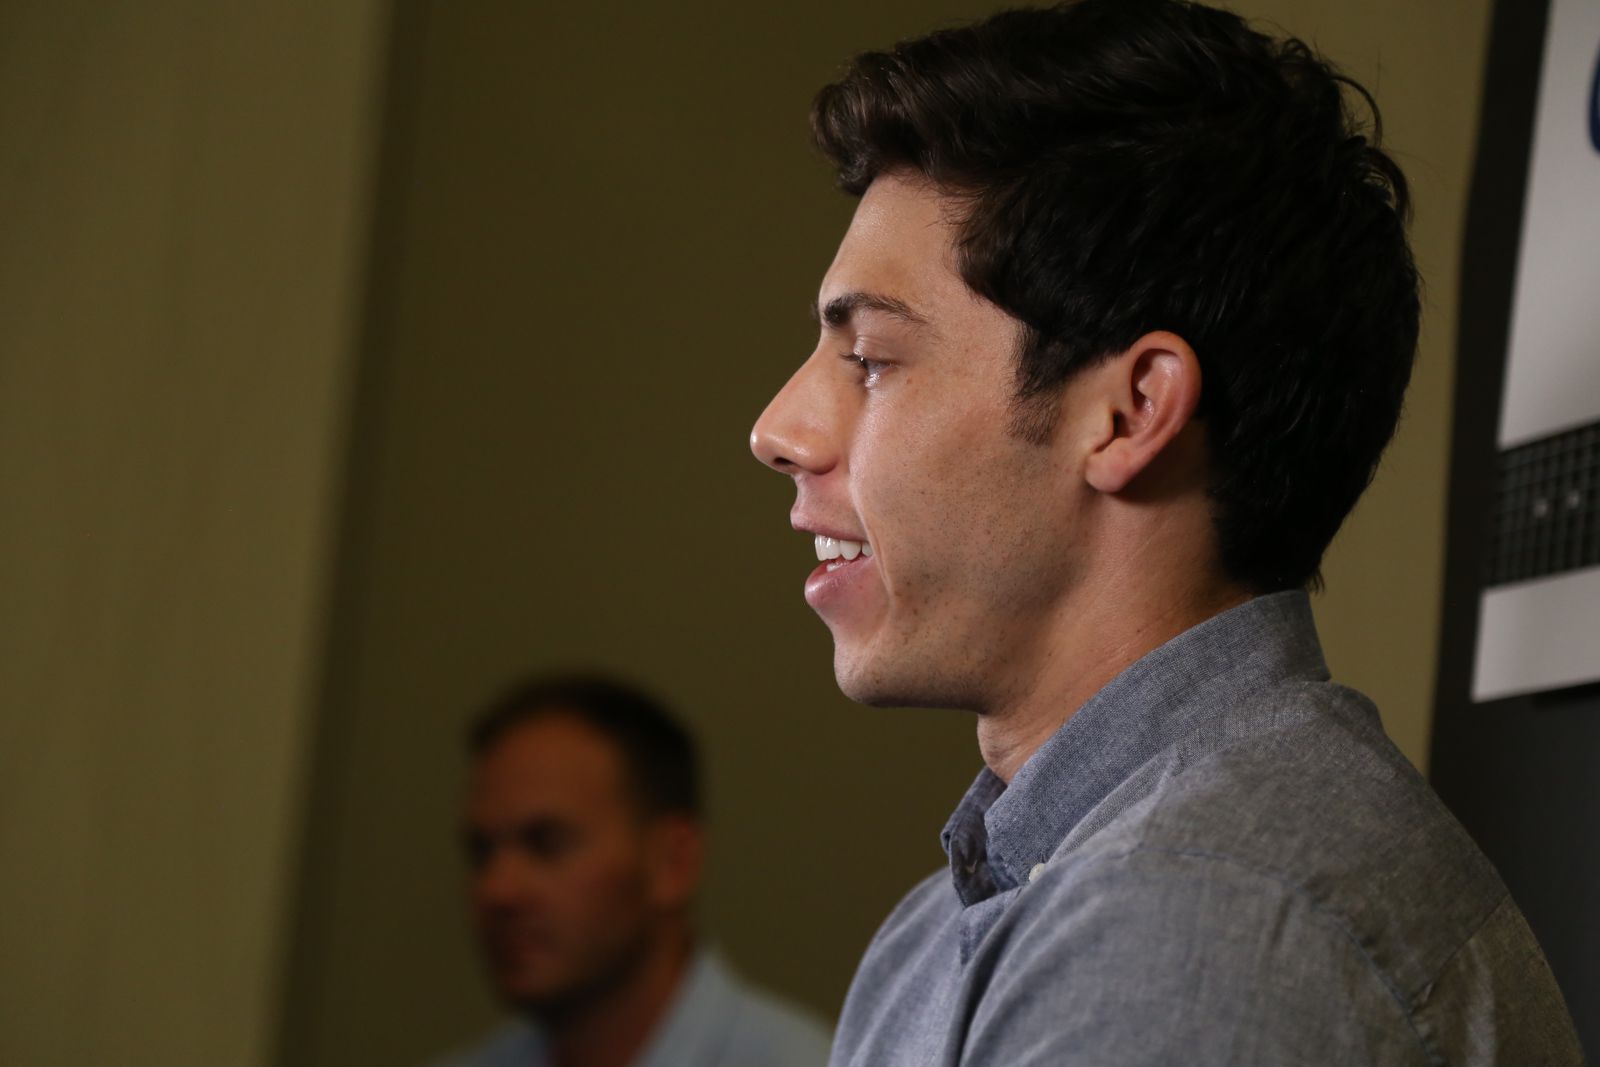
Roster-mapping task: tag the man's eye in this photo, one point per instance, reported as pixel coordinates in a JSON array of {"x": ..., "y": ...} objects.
[
  {"x": 547, "y": 842},
  {"x": 871, "y": 370}
]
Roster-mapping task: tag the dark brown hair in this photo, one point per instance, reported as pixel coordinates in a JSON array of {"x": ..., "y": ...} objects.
[
  {"x": 1124, "y": 166},
  {"x": 663, "y": 768}
]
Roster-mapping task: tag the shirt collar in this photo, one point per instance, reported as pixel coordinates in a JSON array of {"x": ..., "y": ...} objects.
[
  {"x": 697, "y": 1021},
  {"x": 999, "y": 832},
  {"x": 691, "y": 1030}
]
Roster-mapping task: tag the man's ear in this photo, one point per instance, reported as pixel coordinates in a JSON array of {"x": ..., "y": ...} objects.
[
  {"x": 1143, "y": 398},
  {"x": 676, "y": 855}
]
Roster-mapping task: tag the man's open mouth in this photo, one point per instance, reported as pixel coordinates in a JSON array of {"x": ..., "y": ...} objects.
[{"x": 836, "y": 551}]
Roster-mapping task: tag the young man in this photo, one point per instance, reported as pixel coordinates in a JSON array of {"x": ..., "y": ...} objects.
[
  {"x": 583, "y": 832},
  {"x": 1114, "y": 342}
]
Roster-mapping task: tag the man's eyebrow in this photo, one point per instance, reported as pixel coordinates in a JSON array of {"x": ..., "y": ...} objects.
[{"x": 837, "y": 312}]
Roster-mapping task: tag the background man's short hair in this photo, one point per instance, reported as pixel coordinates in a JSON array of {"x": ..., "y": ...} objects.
[
  {"x": 659, "y": 754},
  {"x": 1123, "y": 166}
]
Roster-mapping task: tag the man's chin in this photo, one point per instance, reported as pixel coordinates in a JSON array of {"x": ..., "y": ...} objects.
[
  {"x": 532, "y": 995},
  {"x": 557, "y": 989},
  {"x": 544, "y": 1004},
  {"x": 905, "y": 679},
  {"x": 866, "y": 682},
  {"x": 533, "y": 986}
]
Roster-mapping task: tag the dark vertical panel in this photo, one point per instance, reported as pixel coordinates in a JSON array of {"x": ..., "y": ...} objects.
[
  {"x": 303, "y": 984},
  {"x": 1522, "y": 774}
]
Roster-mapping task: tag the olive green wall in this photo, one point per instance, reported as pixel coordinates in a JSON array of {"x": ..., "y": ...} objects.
[
  {"x": 182, "y": 198},
  {"x": 602, "y": 226}
]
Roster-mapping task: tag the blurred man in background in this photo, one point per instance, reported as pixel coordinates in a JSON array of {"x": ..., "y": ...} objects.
[
  {"x": 1114, "y": 342},
  {"x": 583, "y": 832}
]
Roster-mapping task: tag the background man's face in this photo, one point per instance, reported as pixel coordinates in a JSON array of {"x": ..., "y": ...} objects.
[
  {"x": 970, "y": 527},
  {"x": 561, "y": 880}
]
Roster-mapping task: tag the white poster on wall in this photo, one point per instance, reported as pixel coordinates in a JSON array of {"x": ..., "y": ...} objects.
[{"x": 1539, "y": 624}]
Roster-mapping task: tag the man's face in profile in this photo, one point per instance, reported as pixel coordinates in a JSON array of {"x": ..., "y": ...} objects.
[
  {"x": 898, "y": 433},
  {"x": 561, "y": 881}
]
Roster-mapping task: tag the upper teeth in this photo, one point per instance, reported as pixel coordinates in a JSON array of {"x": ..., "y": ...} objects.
[{"x": 834, "y": 547}]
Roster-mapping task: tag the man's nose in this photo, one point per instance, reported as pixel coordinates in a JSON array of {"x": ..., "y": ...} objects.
[
  {"x": 504, "y": 879},
  {"x": 794, "y": 434}
]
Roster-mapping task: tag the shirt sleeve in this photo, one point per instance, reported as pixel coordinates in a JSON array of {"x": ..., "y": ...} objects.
[{"x": 1157, "y": 957}]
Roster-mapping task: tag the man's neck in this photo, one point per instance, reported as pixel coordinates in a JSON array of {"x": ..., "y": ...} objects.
[
  {"x": 614, "y": 1029},
  {"x": 1089, "y": 647}
]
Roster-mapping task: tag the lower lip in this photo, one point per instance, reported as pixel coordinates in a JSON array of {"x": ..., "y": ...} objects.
[{"x": 826, "y": 587}]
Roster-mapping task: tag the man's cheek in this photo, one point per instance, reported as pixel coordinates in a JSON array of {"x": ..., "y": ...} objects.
[{"x": 606, "y": 892}]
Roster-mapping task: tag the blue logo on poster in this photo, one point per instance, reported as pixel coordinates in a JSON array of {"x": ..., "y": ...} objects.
[{"x": 1594, "y": 106}]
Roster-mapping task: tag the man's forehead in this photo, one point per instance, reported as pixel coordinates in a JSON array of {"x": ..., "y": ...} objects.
[
  {"x": 555, "y": 752},
  {"x": 900, "y": 247}
]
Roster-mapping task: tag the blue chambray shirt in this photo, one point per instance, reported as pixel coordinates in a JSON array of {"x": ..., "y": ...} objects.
[
  {"x": 716, "y": 1020},
  {"x": 1219, "y": 859}
]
